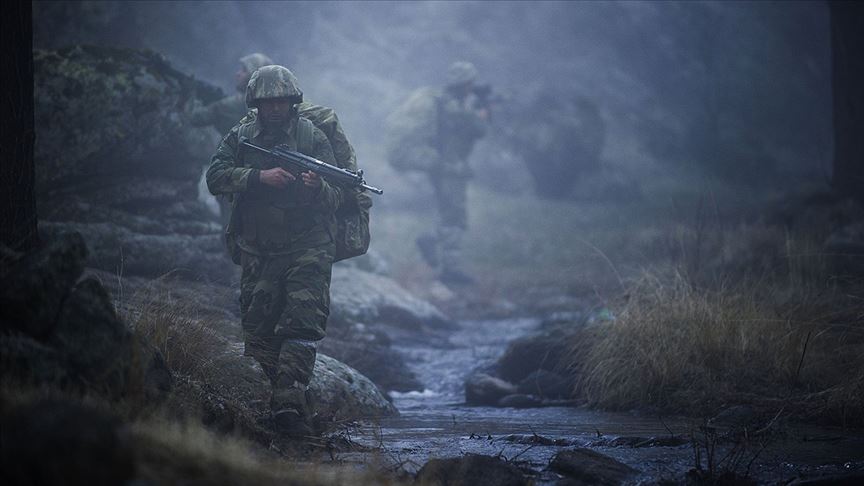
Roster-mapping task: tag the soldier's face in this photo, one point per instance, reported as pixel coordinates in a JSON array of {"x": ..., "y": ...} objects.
[{"x": 275, "y": 111}]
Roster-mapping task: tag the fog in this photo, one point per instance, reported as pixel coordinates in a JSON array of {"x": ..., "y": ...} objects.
[
  {"x": 655, "y": 266},
  {"x": 739, "y": 90}
]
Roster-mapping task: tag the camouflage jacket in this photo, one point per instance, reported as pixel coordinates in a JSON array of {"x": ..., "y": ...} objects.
[
  {"x": 222, "y": 114},
  {"x": 324, "y": 118},
  {"x": 274, "y": 219},
  {"x": 434, "y": 131}
]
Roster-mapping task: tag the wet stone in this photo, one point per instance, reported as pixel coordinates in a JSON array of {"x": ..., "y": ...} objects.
[
  {"x": 638, "y": 442},
  {"x": 537, "y": 439},
  {"x": 584, "y": 466},
  {"x": 545, "y": 384},
  {"x": 519, "y": 400},
  {"x": 470, "y": 470},
  {"x": 483, "y": 389}
]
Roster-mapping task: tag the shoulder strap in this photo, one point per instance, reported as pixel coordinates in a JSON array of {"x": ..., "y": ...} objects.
[
  {"x": 245, "y": 131},
  {"x": 305, "y": 136}
]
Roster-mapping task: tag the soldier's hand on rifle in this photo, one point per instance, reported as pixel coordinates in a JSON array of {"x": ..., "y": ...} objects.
[
  {"x": 276, "y": 177},
  {"x": 311, "y": 179}
]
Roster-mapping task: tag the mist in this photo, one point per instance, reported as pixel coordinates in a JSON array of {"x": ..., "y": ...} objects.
[
  {"x": 647, "y": 268},
  {"x": 740, "y": 89}
]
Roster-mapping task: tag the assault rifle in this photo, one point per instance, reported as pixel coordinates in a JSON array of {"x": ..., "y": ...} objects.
[{"x": 305, "y": 163}]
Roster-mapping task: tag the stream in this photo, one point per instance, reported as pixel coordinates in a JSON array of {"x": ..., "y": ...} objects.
[{"x": 436, "y": 423}]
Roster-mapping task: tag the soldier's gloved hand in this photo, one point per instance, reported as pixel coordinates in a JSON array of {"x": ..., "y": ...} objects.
[
  {"x": 276, "y": 177},
  {"x": 311, "y": 179}
]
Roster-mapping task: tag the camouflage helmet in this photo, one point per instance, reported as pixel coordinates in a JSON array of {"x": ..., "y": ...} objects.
[
  {"x": 254, "y": 61},
  {"x": 461, "y": 72},
  {"x": 272, "y": 82}
]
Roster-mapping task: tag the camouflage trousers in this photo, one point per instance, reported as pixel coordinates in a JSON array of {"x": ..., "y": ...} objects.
[
  {"x": 450, "y": 195},
  {"x": 285, "y": 302}
]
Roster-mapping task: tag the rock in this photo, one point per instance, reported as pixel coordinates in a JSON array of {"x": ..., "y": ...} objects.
[
  {"x": 339, "y": 391},
  {"x": 639, "y": 442},
  {"x": 520, "y": 401},
  {"x": 470, "y": 470},
  {"x": 849, "y": 479},
  {"x": 360, "y": 296},
  {"x": 158, "y": 380},
  {"x": 94, "y": 341},
  {"x": 125, "y": 113},
  {"x": 370, "y": 354},
  {"x": 699, "y": 477},
  {"x": 546, "y": 384},
  {"x": 538, "y": 440},
  {"x": 122, "y": 164},
  {"x": 483, "y": 389},
  {"x": 25, "y": 360},
  {"x": 545, "y": 350},
  {"x": 35, "y": 286},
  {"x": 589, "y": 467},
  {"x": 60, "y": 332},
  {"x": 115, "y": 248},
  {"x": 59, "y": 442},
  {"x": 236, "y": 396}
]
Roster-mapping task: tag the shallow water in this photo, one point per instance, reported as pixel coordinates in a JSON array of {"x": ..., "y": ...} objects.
[{"x": 435, "y": 423}]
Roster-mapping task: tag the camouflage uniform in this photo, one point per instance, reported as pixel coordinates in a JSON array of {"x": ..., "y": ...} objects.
[
  {"x": 440, "y": 145},
  {"x": 225, "y": 113},
  {"x": 287, "y": 240}
]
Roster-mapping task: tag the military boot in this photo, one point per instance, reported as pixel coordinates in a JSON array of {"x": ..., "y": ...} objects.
[{"x": 290, "y": 410}]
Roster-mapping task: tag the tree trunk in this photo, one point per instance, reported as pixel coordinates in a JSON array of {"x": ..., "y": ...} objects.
[
  {"x": 847, "y": 52},
  {"x": 17, "y": 131}
]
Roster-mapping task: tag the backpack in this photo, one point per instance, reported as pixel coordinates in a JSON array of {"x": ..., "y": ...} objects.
[
  {"x": 352, "y": 236},
  {"x": 411, "y": 141}
]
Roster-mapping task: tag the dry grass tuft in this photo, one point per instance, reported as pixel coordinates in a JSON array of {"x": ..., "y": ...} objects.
[
  {"x": 175, "y": 329},
  {"x": 677, "y": 346}
]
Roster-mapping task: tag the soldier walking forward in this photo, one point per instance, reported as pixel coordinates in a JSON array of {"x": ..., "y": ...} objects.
[
  {"x": 434, "y": 132},
  {"x": 284, "y": 229}
]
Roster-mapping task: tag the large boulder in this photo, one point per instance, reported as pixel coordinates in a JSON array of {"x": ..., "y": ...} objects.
[
  {"x": 360, "y": 296},
  {"x": 339, "y": 391},
  {"x": 235, "y": 394},
  {"x": 542, "y": 351},
  {"x": 57, "y": 330},
  {"x": 483, "y": 389},
  {"x": 584, "y": 466},
  {"x": 118, "y": 160},
  {"x": 35, "y": 286},
  {"x": 369, "y": 351}
]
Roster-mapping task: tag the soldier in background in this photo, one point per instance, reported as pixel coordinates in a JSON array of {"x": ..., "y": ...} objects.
[
  {"x": 228, "y": 111},
  {"x": 284, "y": 222},
  {"x": 434, "y": 132},
  {"x": 225, "y": 113}
]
